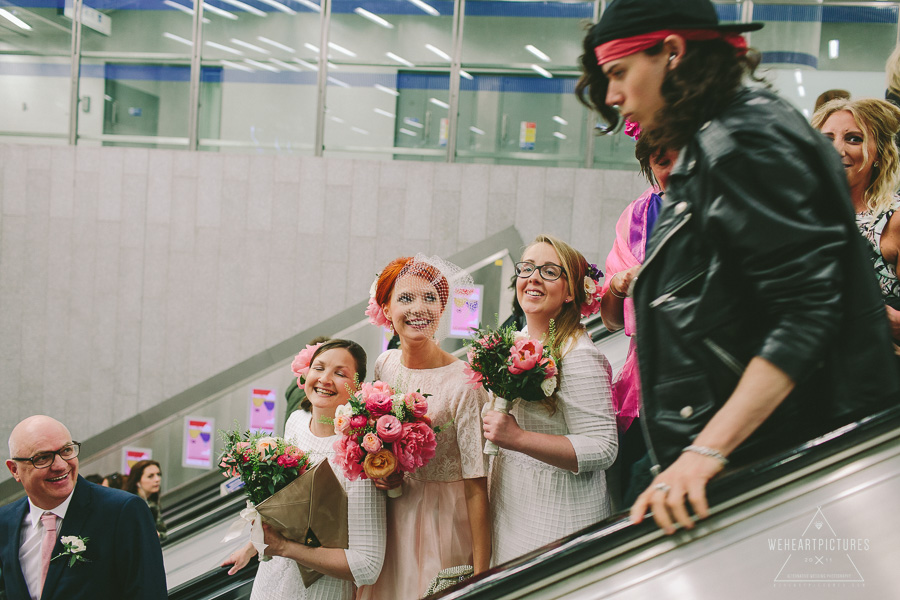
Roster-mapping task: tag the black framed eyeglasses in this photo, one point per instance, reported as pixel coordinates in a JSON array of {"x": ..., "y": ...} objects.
[
  {"x": 548, "y": 272},
  {"x": 43, "y": 460}
]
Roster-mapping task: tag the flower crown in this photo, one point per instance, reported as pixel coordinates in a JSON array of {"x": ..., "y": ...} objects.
[
  {"x": 592, "y": 287},
  {"x": 301, "y": 362},
  {"x": 374, "y": 311}
]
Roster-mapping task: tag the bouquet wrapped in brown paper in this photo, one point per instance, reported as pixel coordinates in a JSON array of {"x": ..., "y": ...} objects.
[{"x": 305, "y": 504}]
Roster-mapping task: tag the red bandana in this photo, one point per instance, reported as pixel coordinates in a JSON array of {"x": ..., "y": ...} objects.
[{"x": 617, "y": 49}]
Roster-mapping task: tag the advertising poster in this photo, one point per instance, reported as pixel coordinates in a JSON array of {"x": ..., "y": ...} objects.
[
  {"x": 527, "y": 135},
  {"x": 262, "y": 410},
  {"x": 198, "y": 442},
  {"x": 131, "y": 455},
  {"x": 443, "y": 131},
  {"x": 466, "y": 315}
]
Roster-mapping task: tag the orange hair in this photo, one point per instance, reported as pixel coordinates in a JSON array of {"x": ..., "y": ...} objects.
[{"x": 403, "y": 266}]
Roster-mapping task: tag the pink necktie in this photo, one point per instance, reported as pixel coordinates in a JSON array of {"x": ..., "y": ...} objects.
[{"x": 48, "y": 520}]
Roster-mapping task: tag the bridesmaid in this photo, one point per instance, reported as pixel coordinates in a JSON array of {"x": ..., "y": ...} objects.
[
  {"x": 328, "y": 383},
  {"x": 548, "y": 479},
  {"x": 442, "y": 518}
]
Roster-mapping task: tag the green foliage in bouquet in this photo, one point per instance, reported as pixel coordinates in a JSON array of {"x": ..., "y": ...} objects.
[{"x": 264, "y": 463}]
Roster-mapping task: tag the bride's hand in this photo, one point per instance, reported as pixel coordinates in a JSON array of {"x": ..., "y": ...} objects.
[
  {"x": 239, "y": 558},
  {"x": 390, "y": 482},
  {"x": 275, "y": 542}
]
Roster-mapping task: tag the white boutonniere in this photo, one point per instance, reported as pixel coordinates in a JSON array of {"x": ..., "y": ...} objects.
[{"x": 74, "y": 549}]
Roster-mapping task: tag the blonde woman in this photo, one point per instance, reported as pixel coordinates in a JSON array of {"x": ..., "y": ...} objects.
[{"x": 548, "y": 479}]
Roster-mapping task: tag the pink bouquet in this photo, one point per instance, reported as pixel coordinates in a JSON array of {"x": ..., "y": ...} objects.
[
  {"x": 512, "y": 366},
  {"x": 381, "y": 431},
  {"x": 265, "y": 464}
]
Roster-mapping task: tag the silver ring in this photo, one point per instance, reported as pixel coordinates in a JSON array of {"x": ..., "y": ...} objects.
[{"x": 663, "y": 487}]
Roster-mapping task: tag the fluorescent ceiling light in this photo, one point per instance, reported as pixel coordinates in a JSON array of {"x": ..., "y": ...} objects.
[
  {"x": 413, "y": 123},
  {"x": 278, "y": 45},
  {"x": 474, "y": 129},
  {"x": 438, "y": 51},
  {"x": 310, "y": 5},
  {"x": 439, "y": 103},
  {"x": 183, "y": 8},
  {"x": 465, "y": 75},
  {"x": 407, "y": 132},
  {"x": 245, "y": 7},
  {"x": 373, "y": 17},
  {"x": 806, "y": 112},
  {"x": 331, "y": 65},
  {"x": 386, "y": 90},
  {"x": 249, "y": 46},
  {"x": 303, "y": 63},
  {"x": 338, "y": 82},
  {"x": 285, "y": 65},
  {"x": 337, "y": 119},
  {"x": 560, "y": 120},
  {"x": 399, "y": 59},
  {"x": 218, "y": 11},
  {"x": 262, "y": 66},
  {"x": 14, "y": 19},
  {"x": 834, "y": 47},
  {"x": 225, "y": 48},
  {"x": 426, "y": 7},
  {"x": 358, "y": 130},
  {"x": 309, "y": 46},
  {"x": 801, "y": 91},
  {"x": 280, "y": 6},
  {"x": 176, "y": 38},
  {"x": 342, "y": 50},
  {"x": 385, "y": 113},
  {"x": 238, "y": 66},
  {"x": 798, "y": 76},
  {"x": 534, "y": 50},
  {"x": 559, "y": 135},
  {"x": 542, "y": 71}
]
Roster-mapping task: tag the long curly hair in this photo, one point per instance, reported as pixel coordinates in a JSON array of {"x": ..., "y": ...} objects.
[
  {"x": 879, "y": 119},
  {"x": 705, "y": 81}
]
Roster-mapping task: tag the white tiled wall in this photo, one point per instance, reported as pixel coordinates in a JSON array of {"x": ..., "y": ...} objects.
[{"x": 129, "y": 275}]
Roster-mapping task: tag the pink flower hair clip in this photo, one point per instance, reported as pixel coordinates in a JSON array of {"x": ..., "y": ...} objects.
[
  {"x": 374, "y": 311},
  {"x": 633, "y": 129},
  {"x": 301, "y": 362},
  {"x": 592, "y": 288}
]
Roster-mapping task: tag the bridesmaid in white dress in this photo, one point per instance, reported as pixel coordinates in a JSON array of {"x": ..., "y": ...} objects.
[
  {"x": 331, "y": 374},
  {"x": 548, "y": 479},
  {"x": 442, "y": 518}
]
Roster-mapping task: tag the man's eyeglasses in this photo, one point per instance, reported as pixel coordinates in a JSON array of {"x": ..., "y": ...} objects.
[
  {"x": 549, "y": 271},
  {"x": 43, "y": 460}
]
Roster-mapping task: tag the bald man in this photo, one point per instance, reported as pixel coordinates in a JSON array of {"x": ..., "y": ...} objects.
[{"x": 121, "y": 552}]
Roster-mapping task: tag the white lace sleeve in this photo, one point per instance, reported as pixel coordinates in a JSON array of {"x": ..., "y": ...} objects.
[
  {"x": 586, "y": 404},
  {"x": 469, "y": 433},
  {"x": 367, "y": 531}
]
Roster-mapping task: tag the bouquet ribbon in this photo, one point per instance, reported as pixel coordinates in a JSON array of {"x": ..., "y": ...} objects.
[{"x": 257, "y": 536}]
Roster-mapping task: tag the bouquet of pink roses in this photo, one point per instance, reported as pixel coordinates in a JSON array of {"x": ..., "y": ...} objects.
[
  {"x": 264, "y": 463},
  {"x": 512, "y": 366},
  {"x": 381, "y": 431}
]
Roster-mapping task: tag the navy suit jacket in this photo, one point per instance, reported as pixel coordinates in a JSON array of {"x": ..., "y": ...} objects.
[{"x": 123, "y": 549}]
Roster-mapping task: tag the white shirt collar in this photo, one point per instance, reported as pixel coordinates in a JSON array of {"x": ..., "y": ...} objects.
[{"x": 59, "y": 511}]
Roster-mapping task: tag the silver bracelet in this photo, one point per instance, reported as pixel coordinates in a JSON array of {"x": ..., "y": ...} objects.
[{"x": 703, "y": 450}]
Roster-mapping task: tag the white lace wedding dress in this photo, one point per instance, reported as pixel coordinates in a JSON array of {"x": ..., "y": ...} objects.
[{"x": 279, "y": 578}]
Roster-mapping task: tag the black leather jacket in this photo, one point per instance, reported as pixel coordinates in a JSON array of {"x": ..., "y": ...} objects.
[{"x": 755, "y": 253}]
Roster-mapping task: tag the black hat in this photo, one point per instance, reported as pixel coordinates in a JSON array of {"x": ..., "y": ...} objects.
[{"x": 627, "y": 18}]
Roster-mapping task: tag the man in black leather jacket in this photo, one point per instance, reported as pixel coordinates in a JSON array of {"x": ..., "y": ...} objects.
[{"x": 759, "y": 324}]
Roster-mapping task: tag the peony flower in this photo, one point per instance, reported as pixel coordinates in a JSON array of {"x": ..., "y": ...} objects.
[
  {"x": 265, "y": 445},
  {"x": 380, "y": 464},
  {"x": 288, "y": 462},
  {"x": 389, "y": 428},
  {"x": 376, "y": 387},
  {"x": 416, "y": 403},
  {"x": 415, "y": 447},
  {"x": 376, "y": 314},
  {"x": 348, "y": 456},
  {"x": 525, "y": 354},
  {"x": 633, "y": 129},
  {"x": 549, "y": 367},
  {"x": 371, "y": 443},
  {"x": 241, "y": 446},
  {"x": 590, "y": 307},
  {"x": 358, "y": 421},
  {"x": 344, "y": 410},
  {"x": 341, "y": 424},
  {"x": 300, "y": 365},
  {"x": 548, "y": 386},
  {"x": 473, "y": 377},
  {"x": 379, "y": 404}
]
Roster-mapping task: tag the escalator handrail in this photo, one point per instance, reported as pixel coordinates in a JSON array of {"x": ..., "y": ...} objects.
[
  {"x": 618, "y": 534},
  {"x": 209, "y": 585}
]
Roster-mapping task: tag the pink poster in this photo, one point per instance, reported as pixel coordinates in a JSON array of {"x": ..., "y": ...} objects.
[
  {"x": 262, "y": 410},
  {"x": 466, "y": 315},
  {"x": 131, "y": 455},
  {"x": 198, "y": 442}
]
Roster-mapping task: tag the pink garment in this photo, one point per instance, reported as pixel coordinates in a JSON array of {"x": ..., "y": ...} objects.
[
  {"x": 422, "y": 542},
  {"x": 48, "y": 520},
  {"x": 628, "y": 252}
]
